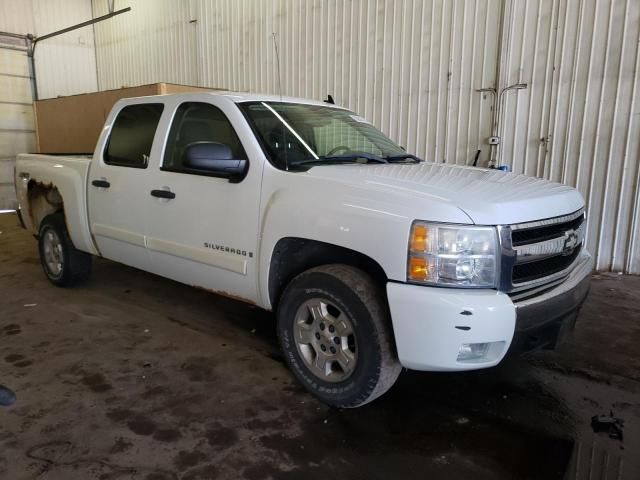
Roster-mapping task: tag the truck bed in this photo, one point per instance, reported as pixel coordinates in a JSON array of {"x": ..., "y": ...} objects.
[{"x": 43, "y": 180}]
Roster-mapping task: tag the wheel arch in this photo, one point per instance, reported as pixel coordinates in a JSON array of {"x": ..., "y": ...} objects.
[
  {"x": 294, "y": 255},
  {"x": 65, "y": 193},
  {"x": 353, "y": 291},
  {"x": 43, "y": 200},
  {"x": 73, "y": 266}
]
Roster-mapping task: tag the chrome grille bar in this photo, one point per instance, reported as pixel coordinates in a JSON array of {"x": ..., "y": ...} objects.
[
  {"x": 563, "y": 245},
  {"x": 548, "y": 221},
  {"x": 540, "y": 246}
]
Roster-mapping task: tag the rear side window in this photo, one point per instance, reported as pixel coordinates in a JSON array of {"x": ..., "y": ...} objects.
[
  {"x": 132, "y": 135},
  {"x": 196, "y": 122}
]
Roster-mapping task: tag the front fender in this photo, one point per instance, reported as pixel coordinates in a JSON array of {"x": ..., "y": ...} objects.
[{"x": 370, "y": 222}]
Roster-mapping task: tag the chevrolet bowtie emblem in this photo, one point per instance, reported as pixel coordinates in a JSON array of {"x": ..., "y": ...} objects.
[{"x": 570, "y": 242}]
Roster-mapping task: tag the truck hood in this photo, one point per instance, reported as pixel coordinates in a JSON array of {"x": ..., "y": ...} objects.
[{"x": 488, "y": 197}]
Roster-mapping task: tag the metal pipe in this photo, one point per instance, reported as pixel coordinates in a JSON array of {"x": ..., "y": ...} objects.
[
  {"x": 32, "y": 67},
  {"x": 495, "y": 117},
  {"x": 13, "y": 47},
  {"x": 495, "y": 90},
  {"x": 493, "y": 93},
  {"x": 500, "y": 43},
  {"x": 33, "y": 41},
  {"x": 14, "y": 35},
  {"x": 498, "y": 149},
  {"x": 80, "y": 25}
]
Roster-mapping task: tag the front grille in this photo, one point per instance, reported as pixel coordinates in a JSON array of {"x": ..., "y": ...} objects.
[
  {"x": 527, "y": 272},
  {"x": 546, "y": 232},
  {"x": 541, "y": 252}
]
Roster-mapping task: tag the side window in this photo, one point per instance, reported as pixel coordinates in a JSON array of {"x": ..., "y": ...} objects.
[
  {"x": 132, "y": 134},
  {"x": 198, "y": 122}
]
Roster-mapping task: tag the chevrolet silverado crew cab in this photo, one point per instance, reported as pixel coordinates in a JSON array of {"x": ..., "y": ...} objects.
[{"x": 372, "y": 259}]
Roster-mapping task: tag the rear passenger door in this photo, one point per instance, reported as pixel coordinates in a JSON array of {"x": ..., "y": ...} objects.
[
  {"x": 117, "y": 187},
  {"x": 205, "y": 232}
]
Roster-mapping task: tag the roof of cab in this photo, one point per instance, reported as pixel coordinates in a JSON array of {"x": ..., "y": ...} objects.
[
  {"x": 238, "y": 97},
  {"x": 260, "y": 97}
]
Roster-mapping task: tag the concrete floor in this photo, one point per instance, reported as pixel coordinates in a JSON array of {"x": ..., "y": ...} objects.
[{"x": 132, "y": 376}]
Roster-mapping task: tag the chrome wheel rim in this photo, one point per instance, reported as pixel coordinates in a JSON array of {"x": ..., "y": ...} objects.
[
  {"x": 53, "y": 254},
  {"x": 325, "y": 339}
]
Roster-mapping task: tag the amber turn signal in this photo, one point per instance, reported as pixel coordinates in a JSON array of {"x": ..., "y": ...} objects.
[
  {"x": 419, "y": 237},
  {"x": 418, "y": 269}
]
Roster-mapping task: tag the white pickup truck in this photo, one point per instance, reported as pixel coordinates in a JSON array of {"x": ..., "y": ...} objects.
[{"x": 373, "y": 259}]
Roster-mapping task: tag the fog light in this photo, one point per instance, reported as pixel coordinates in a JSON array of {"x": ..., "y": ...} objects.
[{"x": 473, "y": 351}]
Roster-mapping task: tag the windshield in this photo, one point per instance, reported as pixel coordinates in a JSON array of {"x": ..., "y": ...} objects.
[{"x": 296, "y": 135}]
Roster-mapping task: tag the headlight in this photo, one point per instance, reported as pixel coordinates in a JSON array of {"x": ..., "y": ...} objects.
[{"x": 452, "y": 255}]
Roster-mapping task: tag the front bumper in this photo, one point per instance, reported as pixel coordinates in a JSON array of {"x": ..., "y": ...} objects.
[
  {"x": 431, "y": 324},
  {"x": 545, "y": 320}
]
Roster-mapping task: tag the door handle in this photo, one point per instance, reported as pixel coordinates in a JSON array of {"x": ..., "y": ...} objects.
[
  {"x": 163, "y": 194},
  {"x": 101, "y": 183}
]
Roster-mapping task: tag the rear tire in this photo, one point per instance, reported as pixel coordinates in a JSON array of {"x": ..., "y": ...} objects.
[
  {"x": 63, "y": 265},
  {"x": 334, "y": 330}
]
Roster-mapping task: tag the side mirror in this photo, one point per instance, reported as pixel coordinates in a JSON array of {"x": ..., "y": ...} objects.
[{"x": 215, "y": 159}]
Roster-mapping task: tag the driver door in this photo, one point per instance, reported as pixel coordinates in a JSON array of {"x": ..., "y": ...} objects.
[{"x": 204, "y": 232}]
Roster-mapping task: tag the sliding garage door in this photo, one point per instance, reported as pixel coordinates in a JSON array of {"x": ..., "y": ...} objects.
[{"x": 17, "y": 131}]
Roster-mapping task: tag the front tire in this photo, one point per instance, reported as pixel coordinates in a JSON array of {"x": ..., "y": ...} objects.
[
  {"x": 334, "y": 330},
  {"x": 63, "y": 265}
]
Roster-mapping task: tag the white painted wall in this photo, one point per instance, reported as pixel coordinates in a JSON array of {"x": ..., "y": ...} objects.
[
  {"x": 17, "y": 132},
  {"x": 580, "y": 122},
  {"x": 388, "y": 60},
  {"x": 413, "y": 68},
  {"x": 65, "y": 65}
]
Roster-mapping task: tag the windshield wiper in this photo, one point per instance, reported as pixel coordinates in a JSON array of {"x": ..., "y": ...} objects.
[
  {"x": 346, "y": 158},
  {"x": 404, "y": 156}
]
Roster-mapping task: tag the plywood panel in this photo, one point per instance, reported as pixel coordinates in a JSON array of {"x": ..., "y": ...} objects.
[{"x": 73, "y": 124}]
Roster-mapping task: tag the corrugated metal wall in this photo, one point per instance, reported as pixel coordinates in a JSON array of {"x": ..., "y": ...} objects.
[
  {"x": 579, "y": 121},
  {"x": 154, "y": 42},
  {"x": 17, "y": 133},
  {"x": 413, "y": 67},
  {"x": 65, "y": 65}
]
